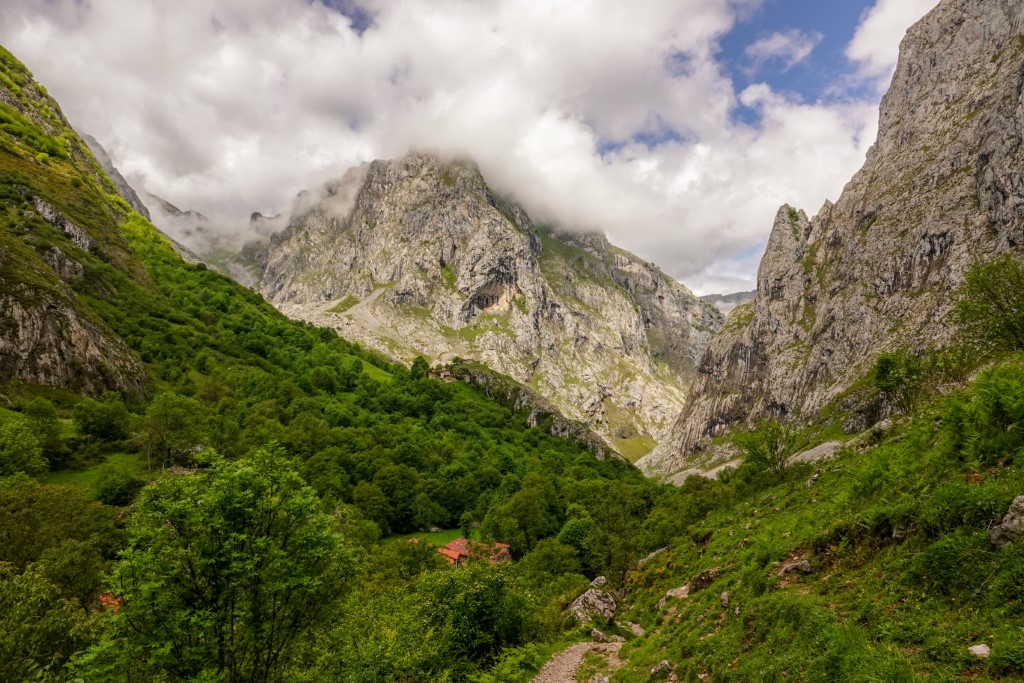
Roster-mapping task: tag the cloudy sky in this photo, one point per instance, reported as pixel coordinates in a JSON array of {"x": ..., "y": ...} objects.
[{"x": 678, "y": 127}]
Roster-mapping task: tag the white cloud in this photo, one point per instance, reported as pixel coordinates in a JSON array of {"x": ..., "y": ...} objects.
[
  {"x": 787, "y": 48},
  {"x": 875, "y": 45},
  {"x": 235, "y": 106}
]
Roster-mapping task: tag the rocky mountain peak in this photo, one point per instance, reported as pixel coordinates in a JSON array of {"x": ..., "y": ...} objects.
[
  {"x": 875, "y": 271},
  {"x": 419, "y": 255}
]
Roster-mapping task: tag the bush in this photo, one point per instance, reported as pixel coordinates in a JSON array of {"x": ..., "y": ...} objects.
[
  {"x": 985, "y": 424},
  {"x": 106, "y": 420},
  {"x": 769, "y": 446},
  {"x": 116, "y": 487},
  {"x": 898, "y": 378},
  {"x": 990, "y": 310},
  {"x": 20, "y": 450}
]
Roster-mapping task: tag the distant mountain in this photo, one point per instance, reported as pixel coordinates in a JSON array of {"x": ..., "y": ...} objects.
[
  {"x": 727, "y": 302},
  {"x": 124, "y": 189},
  {"x": 128, "y": 193},
  {"x": 419, "y": 256}
]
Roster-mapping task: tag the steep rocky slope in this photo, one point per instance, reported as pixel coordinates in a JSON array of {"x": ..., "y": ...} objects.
[
  {"x": 57, "y": 222},
  {"x": 419, "y": 256},
  {"x": 942, "y": 186}
]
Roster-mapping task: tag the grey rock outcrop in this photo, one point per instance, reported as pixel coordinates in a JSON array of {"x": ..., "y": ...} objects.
[
  {"x": 539, "y": 410},
  {"x": 942, "y": 186},
  {"x": 419, "y": 256},
  {"x": 46, "y": 340},
  {"x": 593, "y": 603},
  {"x": 59, "y": 222},
  {"x": 67, "y": 269},
  {"x": 1012, "y": 526}
]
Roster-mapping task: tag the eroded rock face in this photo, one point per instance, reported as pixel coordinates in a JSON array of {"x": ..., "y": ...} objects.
[
  {"x": 419, "y": 256},
  {"x": 942, "y": 187},
  {"x": 45, "y": 340}
]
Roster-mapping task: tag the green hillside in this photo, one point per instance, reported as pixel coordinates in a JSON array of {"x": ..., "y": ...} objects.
[{"x": 215, "y": 396}]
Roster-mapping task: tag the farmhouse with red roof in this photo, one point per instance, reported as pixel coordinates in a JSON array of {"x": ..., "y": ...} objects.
[{"x": 461, "y": 549}]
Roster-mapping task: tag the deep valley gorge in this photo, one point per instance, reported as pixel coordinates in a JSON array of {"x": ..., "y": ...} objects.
[{"x": 414, "y": 428}]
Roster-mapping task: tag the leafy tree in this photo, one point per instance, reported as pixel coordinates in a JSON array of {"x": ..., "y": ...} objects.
[
  {"x": 374, "y": 505},
  {"x": 427, "y": 513},
  {"x": 530, "y": 514},
  {"x": 173, "y": 427},
  {"x": 769, "y": 446},
  {"x": 420, "y": 368},
  {"x": 116, "y": 487},
  {"x": 39, "y": 627},
  {"x": 898, "y": 377},
  {"x": 43, "y": 418},
  {"x": 990, "y": 310},
  {"x": 20, "y": 450},
  {"x": 224, "y": 573},
  {"x": 582, "y": 534},
  {"x": 35, "y": 518},
  {"x": 550, "y": 558},
  {"x": 106, "y": 419}
]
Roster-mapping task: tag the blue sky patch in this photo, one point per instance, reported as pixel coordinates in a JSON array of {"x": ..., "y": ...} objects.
[{"x": 813, "y": 79}]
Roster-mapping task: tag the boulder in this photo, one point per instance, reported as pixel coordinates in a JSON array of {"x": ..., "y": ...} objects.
[
  {"x": 981, "y": 651},
  {"x": 599, "y": 582},
  {"x": 1012, "y": 526},
  {"x": 681, "y": 592},
  {"x": 662, "y": 668},
  {"x": 598, "y": 636},
  {"x": 725, "y": 600},
  {"x": 593, "y": 603},
  {"x": 636, "y": 629},
  {"x": 705, "y": 579},
  {"x": 794, "y": 566}
]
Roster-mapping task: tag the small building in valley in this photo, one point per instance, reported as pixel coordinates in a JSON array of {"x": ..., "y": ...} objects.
[{"x": 460, "y": 550}]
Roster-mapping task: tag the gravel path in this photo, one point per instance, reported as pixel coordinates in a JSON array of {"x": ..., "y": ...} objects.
[{"x": 562, "y": 667}]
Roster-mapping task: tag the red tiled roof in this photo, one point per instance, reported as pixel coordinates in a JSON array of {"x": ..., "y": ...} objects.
[
  {"x": 450, "y": 555},
  {"x": 461, "y": 547}
]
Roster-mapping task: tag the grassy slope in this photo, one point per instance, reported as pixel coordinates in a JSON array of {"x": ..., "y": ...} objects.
[{"x": 903, "y": 580}]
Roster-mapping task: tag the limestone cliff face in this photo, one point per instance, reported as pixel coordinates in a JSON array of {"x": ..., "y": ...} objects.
[
  {"x": 942, "y": 186},
  {"x": 419, "y": 256}
]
